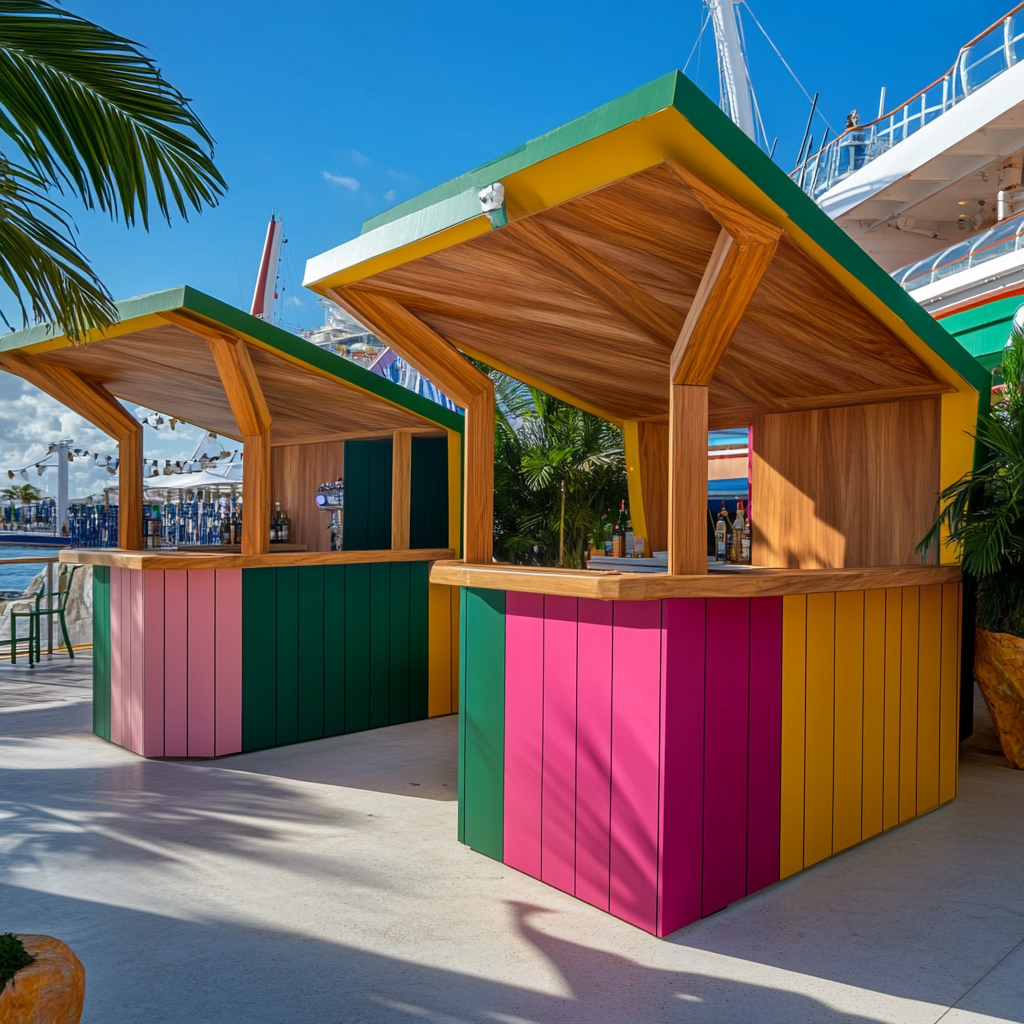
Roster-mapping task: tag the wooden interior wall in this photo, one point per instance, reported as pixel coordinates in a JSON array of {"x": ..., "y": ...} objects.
[
  {"x": 845, "y": 487},
  {"x": 653, "y": 445},
  {"x": 297, "y": 470}
]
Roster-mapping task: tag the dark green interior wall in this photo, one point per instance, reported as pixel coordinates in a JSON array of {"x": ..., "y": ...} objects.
[
  {"x": 332, "y": 649},
  {"x": 367, "y": 495},
  {"x": 428, "y": 501},
  {"x": 482, "y": 721},
  {"x": 101, "y": 651}
]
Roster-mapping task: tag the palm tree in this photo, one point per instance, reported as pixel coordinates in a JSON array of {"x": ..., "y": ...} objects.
[
  {"x": 25, "y": 493},
  {"x": 558, "y": 473},
  {"x": 93, "y": 118}
]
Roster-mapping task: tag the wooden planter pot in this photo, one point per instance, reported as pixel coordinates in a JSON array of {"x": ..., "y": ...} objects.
[
  {"x": 999, "y": 670},
  {"x": 49, "y": 991}
]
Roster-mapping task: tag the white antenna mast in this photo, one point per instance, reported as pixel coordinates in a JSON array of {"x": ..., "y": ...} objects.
[{"x": 733, "y": 75}]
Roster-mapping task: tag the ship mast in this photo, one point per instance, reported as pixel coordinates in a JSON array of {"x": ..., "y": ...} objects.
[
  {"x": 733, "y": 75},
  {"x": 266, "y": 280}
]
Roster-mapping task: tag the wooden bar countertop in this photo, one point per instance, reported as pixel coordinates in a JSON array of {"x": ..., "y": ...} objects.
[
  {"x": 738, "y": 581},
  {"x": 213, "y": 559}
]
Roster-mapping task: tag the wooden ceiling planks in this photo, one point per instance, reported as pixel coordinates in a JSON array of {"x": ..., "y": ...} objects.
[{"x": 804, "y": 341}]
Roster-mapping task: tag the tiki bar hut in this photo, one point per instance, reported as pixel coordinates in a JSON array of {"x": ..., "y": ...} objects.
[
  {"x": 211, "y": 651},
  {"x": 660, "y": 745}
]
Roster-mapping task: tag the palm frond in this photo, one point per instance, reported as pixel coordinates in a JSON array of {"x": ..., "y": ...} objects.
[
  {"x": 40, "y": 264},
  {"x": 90, "y": 111}
]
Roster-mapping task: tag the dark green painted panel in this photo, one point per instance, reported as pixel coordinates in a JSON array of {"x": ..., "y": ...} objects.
[
  {"x": 398, "y": 641},
  {"x": 334, "y": 650},
  {"x": 259, "y": 658},
  {"x": 101, "y": 651},
  {"x": 355, "y": 536},
  {"x": 287, "y": 654},
  {"x": 462, "y": 717},
  {"x": 483, "y": 694},
  {"x": 428, "y": 500},
  {"x": 381, "y": 459},
  {"x": 311, "y": 652},
  {"x": 380, "y": 646},
  {"x": 357, "y": 647},
  {"x": 419, "y": 640}
]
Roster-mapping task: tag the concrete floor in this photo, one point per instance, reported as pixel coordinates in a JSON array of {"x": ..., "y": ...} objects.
[{"x": 323, "y": 883}]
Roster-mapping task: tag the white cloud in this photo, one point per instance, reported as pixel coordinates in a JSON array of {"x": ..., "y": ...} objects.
[
  {"x": 293, "y": 300},
  {"x": 391, "y": 195},
  {"x": 338, "y": 179},
  {"x": 361, "y": 160}
]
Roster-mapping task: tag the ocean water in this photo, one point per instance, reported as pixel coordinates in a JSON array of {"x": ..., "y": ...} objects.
[{"x": 18, "y": 577}]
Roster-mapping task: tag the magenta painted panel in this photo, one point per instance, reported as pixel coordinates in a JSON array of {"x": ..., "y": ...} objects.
[
  {"x": 636, "y": 712},
  {"x": 764, "y": 782},
  {"x": 116, "y": 630},
  {"x": 228, "y": 696},
  {"x": 725, "y": 752},
  {"x": 593, "y": 749},
  {"x": 201, "y": 662},
  {"x": 153, "y": 661},
  {"x": 558, "y": 784},
  {"x": 176, "y": 663},
  {"x": 680, "y": 864},
  {"x": 524, "y": 708},
  {"x": 136, "y": 696}
]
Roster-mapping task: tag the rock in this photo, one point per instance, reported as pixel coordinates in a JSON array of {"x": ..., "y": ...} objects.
[
  {"x": 50, "y": 991},
  {"x": 999, "y": 670}
]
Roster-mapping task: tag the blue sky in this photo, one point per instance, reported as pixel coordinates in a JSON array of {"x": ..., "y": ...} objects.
[{"x": 332, "y": 111}]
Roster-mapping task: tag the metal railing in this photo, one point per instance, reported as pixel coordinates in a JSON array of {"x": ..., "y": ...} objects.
[
  {"x": 49, "y": 560},
  {"x": 984, "y": 58}
]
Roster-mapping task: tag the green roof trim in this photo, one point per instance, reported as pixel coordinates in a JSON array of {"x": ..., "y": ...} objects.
[
  {"x": 433, "y": 209},
  {"x": 274, "y": 337},
  {"x": 985, "y": 330}
]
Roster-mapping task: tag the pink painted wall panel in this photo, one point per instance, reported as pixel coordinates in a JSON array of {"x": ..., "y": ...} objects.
[
  {"x": 524, "y": 727},
  {"x": 153, "y": 662},
  {"x": 228, "y": 667},
  {"x": 126, "y": 658},
  {"x": 681, "y": 857},
  {"x": 136, "y": 696},
  {"x": 176, "y": 663},
  {"x": 593, "y": 749},
  {"x": 636, "y": 712},
  {"x": 764, "y": 782},
  {"x": 558, "y": 784},
  {"x": 201, "y": 662},
  {"x": 725, "y": 752},
  {"x": 116, "y": 630}
]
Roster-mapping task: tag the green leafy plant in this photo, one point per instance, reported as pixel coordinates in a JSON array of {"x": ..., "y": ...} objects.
[
  {"x": 13, "y": 957},
  {"x": 25, "y": 493},
  {"x": 93, "y": 117},
  {"x": 983, "y": 512},
  {"x": 557, "y": 472}
]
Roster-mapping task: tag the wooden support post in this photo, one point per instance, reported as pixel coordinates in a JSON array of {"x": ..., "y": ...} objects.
[
  {"x": 688, "y": 480},
  {"x": 93, "y": 402},
  {"x": 456, "y": 376},
  {"x": 245, "y": 396},
  {"x": 646, "y": 447},
  {"x": 401, "y": 489}
]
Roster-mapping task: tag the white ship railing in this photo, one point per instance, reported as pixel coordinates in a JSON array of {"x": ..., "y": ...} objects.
[
  {"x": 1005, "y": 237},
  {"x": 984, "y": 58}
]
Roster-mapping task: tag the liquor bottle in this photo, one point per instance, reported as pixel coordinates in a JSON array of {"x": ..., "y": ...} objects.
[
  {"x": 746, "y": 538},
  {"x": 627, "y": 533},
  {"x": 238, "y": 521},
  {"x": 711, "y": 540},
  {"x": 273, "y": 522},
  {"x": 226, "y": 527},
  {"x": 283, "y": 528},
  {"x": 735, "y": 534},
  {"x": 721, "y": 534}
]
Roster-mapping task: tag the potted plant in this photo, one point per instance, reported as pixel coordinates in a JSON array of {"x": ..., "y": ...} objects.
[{"x": 983, "y": 513}]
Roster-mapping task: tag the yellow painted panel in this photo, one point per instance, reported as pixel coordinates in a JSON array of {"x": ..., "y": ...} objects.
[
  {"x": 849, "y": 720},
  {"x": 455, "y": 492},
  {"x": 456, "y": 593},
  {"x": 631, "y": 444},
  {"x": 929, "y": 668},
  {"x": 439, "y": 686},
  {"x": 908, "y": 702},
  {"x": 959, "y": 422},
  {"x": 874, "y": 712},
  {"x": 819, "y": 746},
  {"x": 891, "y": 737},
  {"x": 949, "y": 692},
  {"x": 794, "y": 648}
]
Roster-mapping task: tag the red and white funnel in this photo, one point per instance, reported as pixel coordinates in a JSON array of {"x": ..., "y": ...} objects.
[{"x": 266, "y": 282}]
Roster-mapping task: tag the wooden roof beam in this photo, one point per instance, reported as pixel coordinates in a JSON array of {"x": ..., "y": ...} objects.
[
  {"x": 458, "y": 378},
  {"x": 566, "y": 258}
]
